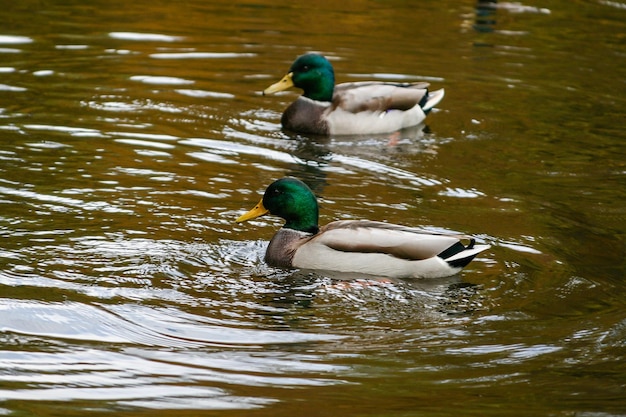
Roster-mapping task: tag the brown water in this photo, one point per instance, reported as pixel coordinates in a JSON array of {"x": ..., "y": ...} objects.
[{"x": 132, "y": 134}]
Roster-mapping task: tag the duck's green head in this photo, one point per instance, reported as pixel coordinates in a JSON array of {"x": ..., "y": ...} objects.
[
  {"x": 290, "y": 199},
  {"x": 311, "y": 72}
]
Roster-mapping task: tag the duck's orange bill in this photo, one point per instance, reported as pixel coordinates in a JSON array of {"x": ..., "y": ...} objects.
[
  {"x": 285, "y": 83},
  {"x": 258, "y": 211}
]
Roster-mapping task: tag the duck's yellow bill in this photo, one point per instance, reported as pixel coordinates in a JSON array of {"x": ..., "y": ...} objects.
[
  {"x": 258, "y": 211},
  {"x": 285, "y": 83}
]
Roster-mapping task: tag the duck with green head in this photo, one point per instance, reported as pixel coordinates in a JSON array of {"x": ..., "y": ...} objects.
[
  {"x": 367, "y": 107},
  {"x": 355, "y": 246}
]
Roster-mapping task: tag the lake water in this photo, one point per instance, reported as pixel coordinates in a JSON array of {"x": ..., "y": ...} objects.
[{"x": 132, "y": 135}]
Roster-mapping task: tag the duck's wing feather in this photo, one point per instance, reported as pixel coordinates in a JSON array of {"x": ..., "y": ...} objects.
[
  {"x": 364, "y": 236},
  {"x": 379, "y": 96}
]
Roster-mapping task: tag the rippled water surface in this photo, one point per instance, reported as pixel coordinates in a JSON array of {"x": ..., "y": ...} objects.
[{"x": 132, "y": 135}]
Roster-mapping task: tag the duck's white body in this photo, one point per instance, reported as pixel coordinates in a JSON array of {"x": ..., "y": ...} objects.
[
  {"x": 373, "y": 248},
  {"x": 363, "y": 108}
]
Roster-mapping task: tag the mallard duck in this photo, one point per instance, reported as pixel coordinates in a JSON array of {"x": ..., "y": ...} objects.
[
  {"x": 367, "y": 107},
  {"x": 355, "y": 246}
]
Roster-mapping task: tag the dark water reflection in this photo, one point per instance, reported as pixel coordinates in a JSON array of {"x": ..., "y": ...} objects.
[{"x": 133, "y": 134}]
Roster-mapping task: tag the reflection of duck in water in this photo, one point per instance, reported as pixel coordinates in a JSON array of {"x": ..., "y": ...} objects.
[
  {"x": 358, "y": 246},
  {"x": 367, "y": 107},
  {"x": 485, "y": 15}
]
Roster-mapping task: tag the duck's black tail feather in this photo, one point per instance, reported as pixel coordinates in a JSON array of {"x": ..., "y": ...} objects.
[{"x": 459, "y": 255}]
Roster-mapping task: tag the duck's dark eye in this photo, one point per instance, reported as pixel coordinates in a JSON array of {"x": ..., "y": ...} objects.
[{"x": 305, "y": 68}]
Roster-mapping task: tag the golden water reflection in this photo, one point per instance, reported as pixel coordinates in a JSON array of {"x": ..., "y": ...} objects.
[{"x": 133, "y": 134}]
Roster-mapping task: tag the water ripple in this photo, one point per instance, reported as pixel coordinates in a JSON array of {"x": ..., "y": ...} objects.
[
  {"x": 12, "y": 39},
  {"x": 233, "y": 148},
  {"x": 161, "y": 80},
  {"x": 12, "y": 89},
  {"x": 152, "y": 37},
  {"x": 125, "y": 378},
  {"x": 199, "y": 55},
  {"x": 61, "y": 203},
  {"x": 133, "y": 324}
]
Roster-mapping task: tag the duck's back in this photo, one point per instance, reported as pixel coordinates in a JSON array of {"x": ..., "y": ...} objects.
[
  {"x": 372, "y": 107},
  {"x": 384, "y": 249},
  {"x": 375, "y": 96}
]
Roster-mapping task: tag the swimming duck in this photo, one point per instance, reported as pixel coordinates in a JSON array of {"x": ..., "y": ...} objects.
[
  {"x": 355, "y": 246},
  {"x": 367, "y": 107}
]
